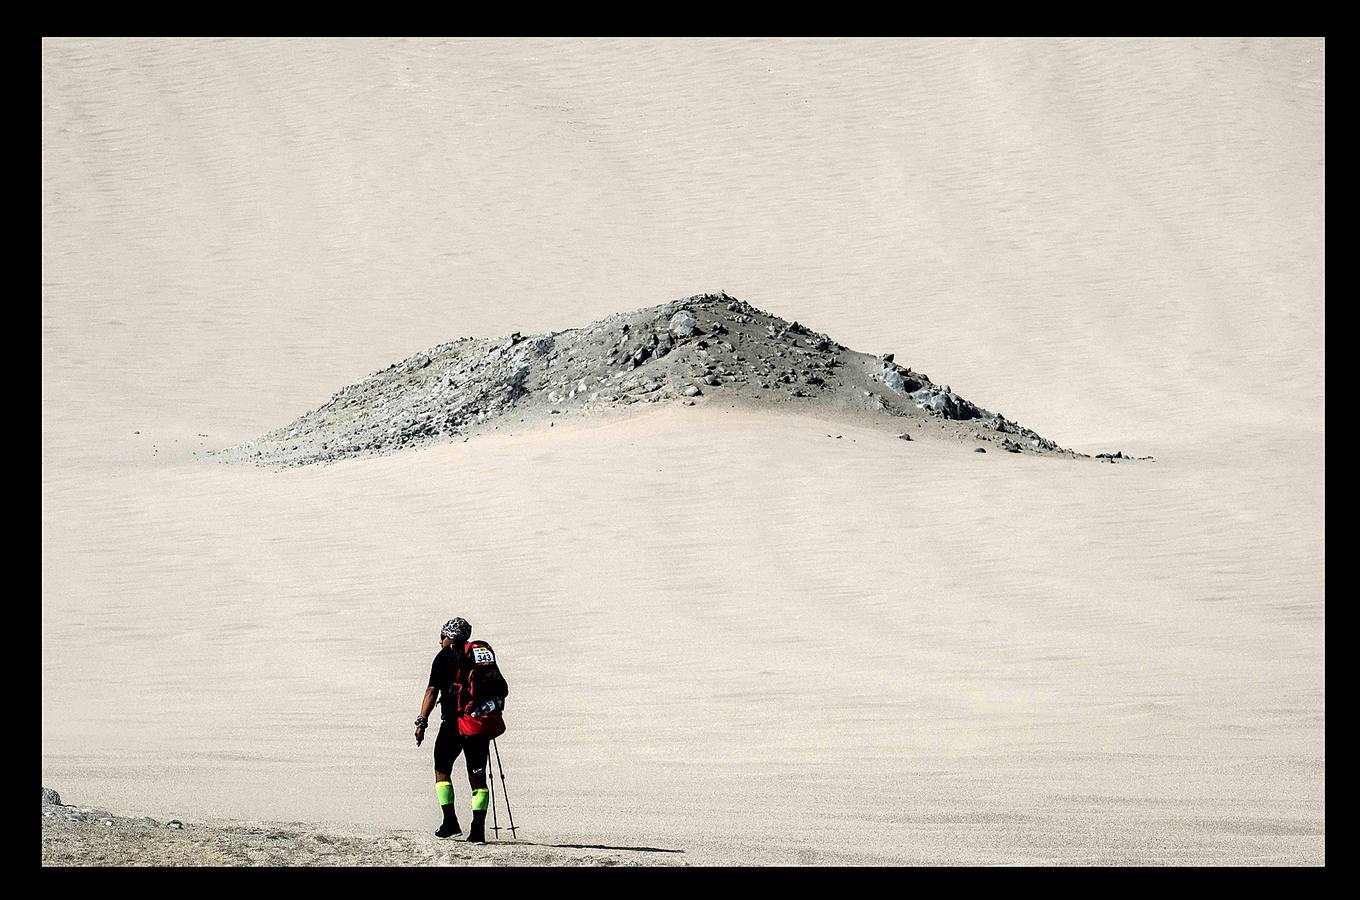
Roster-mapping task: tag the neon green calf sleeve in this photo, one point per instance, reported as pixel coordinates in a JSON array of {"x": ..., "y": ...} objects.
[
  {"x": 479, "y": 799},
  {"x": 444, "y": 791}
]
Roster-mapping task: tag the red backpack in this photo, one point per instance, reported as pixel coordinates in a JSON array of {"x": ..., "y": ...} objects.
[{"x": 479, "y": 680}]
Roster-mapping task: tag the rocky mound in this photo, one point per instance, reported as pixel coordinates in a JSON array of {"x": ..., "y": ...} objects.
[{"x": 703, "y": 347}]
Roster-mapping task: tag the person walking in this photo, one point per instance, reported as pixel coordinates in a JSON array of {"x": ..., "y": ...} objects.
[{"x": 471, "y": 691}]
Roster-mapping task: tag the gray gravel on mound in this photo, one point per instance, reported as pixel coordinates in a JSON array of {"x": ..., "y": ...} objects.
[{"x": 697, "y": 350}]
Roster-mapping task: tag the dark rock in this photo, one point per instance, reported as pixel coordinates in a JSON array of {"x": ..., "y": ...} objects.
[
  {"x": 899, "y": 379},
  {"x": 50, "y": 797},
  {"x": 945, "y": 402},
  {"x": 979, "y": 449},
  {"x": 904, "y": 436}
]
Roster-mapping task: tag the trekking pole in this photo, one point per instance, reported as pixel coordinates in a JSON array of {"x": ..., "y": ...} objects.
[
  {"x": 504, "y": 792},
  {"x": 491, "y": 780}
]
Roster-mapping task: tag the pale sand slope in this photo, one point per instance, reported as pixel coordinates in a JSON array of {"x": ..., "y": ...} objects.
[
  {"x": 1107, "y": 240},
  {"x": 732, "y": 636},
  {"x": 728, "y": 635}
]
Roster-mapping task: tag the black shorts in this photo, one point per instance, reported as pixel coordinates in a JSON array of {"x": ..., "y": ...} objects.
[{"x": 450, "y": 743}]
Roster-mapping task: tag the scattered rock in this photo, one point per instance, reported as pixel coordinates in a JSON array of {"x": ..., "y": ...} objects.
[
  {"x": 945, "y": 402},
  {"x": 50, "y": 797},
  {"x": 684, "y": 325},
  {"x": 904, "y": 436},
  {"x": 692, "y": 390},
  {"x": 979, "y": 449}
]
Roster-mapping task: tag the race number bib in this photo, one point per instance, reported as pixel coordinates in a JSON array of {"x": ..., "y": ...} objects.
[{"x": 483, "y": 656}]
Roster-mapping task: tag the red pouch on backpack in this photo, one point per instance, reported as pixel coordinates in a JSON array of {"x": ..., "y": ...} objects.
[{"x": 490, "y": 726}]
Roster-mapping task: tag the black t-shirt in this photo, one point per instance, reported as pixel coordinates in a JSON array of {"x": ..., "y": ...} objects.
[{"x": 442, "y": 673}]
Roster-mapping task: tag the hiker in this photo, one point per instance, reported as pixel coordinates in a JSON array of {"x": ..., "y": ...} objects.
[{"x": 471, "y": 693}]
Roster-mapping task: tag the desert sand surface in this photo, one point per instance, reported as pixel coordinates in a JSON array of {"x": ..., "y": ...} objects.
[{"x": 749, "y": 634}]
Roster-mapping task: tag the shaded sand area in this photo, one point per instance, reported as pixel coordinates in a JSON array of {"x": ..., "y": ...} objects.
[{"x": 726, "y": 634}]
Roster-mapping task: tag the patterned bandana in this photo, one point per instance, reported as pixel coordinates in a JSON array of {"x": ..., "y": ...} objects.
[{"x": 457, "y": 630}]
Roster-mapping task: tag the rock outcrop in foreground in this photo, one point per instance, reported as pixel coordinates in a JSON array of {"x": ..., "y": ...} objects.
[
  {"x": 84, "y": 836},
  {"x": 704, "y": 348}
]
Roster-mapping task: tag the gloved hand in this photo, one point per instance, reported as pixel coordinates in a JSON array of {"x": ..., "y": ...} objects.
[
  {"x": 486, "y": 708},
  {"x": 421, "y": 722}
]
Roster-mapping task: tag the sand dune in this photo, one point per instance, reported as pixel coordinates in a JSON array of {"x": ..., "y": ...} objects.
[{"x": 726, "y": 631}]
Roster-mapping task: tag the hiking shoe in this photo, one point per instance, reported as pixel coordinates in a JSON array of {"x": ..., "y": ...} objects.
[{"x": 477, "y": 833}]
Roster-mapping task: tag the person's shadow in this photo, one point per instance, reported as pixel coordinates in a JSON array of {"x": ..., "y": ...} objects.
[{"x": 591, "y": 847}]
